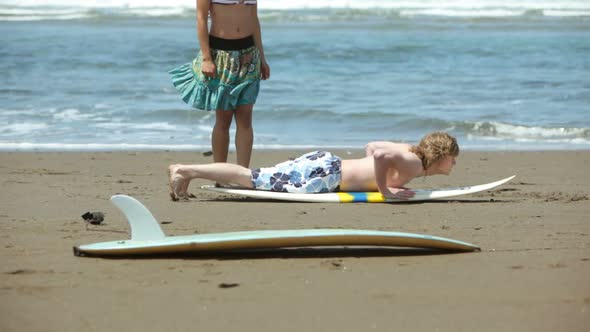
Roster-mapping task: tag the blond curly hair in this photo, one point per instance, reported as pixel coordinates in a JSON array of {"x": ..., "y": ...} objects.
[{"x": 435, "y": 146}]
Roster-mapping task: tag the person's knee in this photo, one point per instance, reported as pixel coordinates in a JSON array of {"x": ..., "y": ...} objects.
[
  {"x": 243, "y": 122},
  {"x": 222, "y": 126},
  {"x": 244, "y": 125},
  {"x": 223, "y": 121}
]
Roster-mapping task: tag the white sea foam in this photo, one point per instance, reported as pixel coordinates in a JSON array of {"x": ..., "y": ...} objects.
[
  {"x": 497, "y": 130},
  {"x": 70, "y": 115},
  {"x": 566, "y": 13},
  {"x": 465, "y": 145},
  {"x": 16, "y": 112},
  {"x": 302, "y": 4},
  {"x": 30, "y": 146},
  {"x": 205, "y": 128},
  {"x": 23, "y": 128},
  {"x": 39, "y": 14},
  {"x": 97, "y": 147},
  {"x": 453, "y": 12},
  {"x": 161, "y": 126},
  {"x": 38, "y": 11},
  {"x": 68, "y": 9}
]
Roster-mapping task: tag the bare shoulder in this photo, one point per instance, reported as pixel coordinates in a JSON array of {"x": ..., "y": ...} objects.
[
  {"x": 409, "y": 162},
  {"x": 390, "y": 146}
]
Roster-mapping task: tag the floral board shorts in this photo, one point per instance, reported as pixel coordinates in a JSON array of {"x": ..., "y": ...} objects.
[
  {"x": 236, "y": 82},
  {"x": 313, "y": 172}
]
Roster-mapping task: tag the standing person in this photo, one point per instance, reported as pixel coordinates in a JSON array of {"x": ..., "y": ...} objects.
[
  {"x": 387, "y": 167},
  {"x": 226, "y": 75}
]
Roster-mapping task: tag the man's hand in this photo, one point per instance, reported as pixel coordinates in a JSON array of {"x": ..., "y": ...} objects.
[{"x": 400, "y": 193}]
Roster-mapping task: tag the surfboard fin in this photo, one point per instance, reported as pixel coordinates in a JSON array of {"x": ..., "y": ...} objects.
[{"x": 144, "y": 227}]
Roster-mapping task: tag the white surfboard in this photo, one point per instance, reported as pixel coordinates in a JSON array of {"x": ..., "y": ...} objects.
[
  {"x": 148, "y": 238},
  {"x": 357, "y": 197}
]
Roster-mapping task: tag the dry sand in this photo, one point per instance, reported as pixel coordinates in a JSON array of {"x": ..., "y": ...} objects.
[{"x": 533, "y": 273}]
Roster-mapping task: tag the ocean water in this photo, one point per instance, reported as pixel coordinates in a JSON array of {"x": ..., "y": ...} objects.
[{"x": 499, "y": 75}]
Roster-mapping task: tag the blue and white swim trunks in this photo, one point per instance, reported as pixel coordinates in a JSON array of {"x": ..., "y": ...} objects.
[{"x": 313, "y": 172}]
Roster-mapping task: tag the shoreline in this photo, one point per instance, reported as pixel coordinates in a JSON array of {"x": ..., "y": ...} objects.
[
  {"x": 531, "y": 274},
  {"x": 108, "y": 148}
]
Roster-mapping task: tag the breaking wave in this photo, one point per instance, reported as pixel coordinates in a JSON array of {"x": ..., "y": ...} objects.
[{"x": 293, "y": 10}]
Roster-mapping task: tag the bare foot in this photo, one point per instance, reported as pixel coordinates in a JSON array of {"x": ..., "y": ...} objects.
[
  {"x": 175, "y": 183},
  {"x": 184, "y": 190},
  {"x": 170, "y": 187}
]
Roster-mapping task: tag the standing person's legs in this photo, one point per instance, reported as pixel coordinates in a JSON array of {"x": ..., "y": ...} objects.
[
  {"x": 244, "y": 134},
  {"x": 220, "y": 135}
]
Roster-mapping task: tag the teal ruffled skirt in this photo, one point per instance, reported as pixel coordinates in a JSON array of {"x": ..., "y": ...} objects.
[{"x": 237, "y": 80}]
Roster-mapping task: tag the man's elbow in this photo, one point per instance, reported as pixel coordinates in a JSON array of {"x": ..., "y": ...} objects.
[
  {"x": 379, "y": 155},
  {"x": 384, "y": 155}
]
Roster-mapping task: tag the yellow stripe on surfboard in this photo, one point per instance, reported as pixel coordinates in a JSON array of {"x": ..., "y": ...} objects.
[{"x": 368, "y": 197}]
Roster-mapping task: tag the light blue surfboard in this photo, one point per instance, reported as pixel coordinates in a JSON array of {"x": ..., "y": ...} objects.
[{"x": 148, "y": 238}]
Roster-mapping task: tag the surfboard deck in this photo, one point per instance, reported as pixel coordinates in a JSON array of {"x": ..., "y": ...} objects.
[
  {"x": 356, "y": 197},
  {"x": 148, "y": 238}
]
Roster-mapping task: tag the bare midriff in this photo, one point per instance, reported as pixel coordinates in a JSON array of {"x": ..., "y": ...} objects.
[{"x": 232, "y": 21}]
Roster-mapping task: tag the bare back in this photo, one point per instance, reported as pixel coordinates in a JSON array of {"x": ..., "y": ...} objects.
[
  {"x": 232, "y": 21},
  {"x": 359, "y": 174}
]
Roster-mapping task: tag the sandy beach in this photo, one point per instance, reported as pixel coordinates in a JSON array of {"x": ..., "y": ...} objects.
[{"x": 531, "y": 275}]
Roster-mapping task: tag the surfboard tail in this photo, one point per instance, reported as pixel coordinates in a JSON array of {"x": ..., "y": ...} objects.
[{"x": 144, "y": 227}]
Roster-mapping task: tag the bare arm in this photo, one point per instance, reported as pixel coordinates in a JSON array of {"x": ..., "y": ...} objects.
[
  {"x": 265, "y": 69},
  {"x": 203, "y": 29},
  {"x": 384, "y": 161},
  {"x": 207, "y": 66}
]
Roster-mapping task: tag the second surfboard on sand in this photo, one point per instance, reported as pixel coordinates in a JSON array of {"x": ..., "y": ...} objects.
[{"x": 147, "y": 238}]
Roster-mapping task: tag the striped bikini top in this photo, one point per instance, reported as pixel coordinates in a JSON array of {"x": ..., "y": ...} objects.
[{"x": 234, "y": 2}]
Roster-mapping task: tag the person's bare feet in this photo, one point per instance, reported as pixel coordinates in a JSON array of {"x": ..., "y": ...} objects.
[
  {"x": 177, "y": 185},
  {"x": 184, "y": 190}
]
